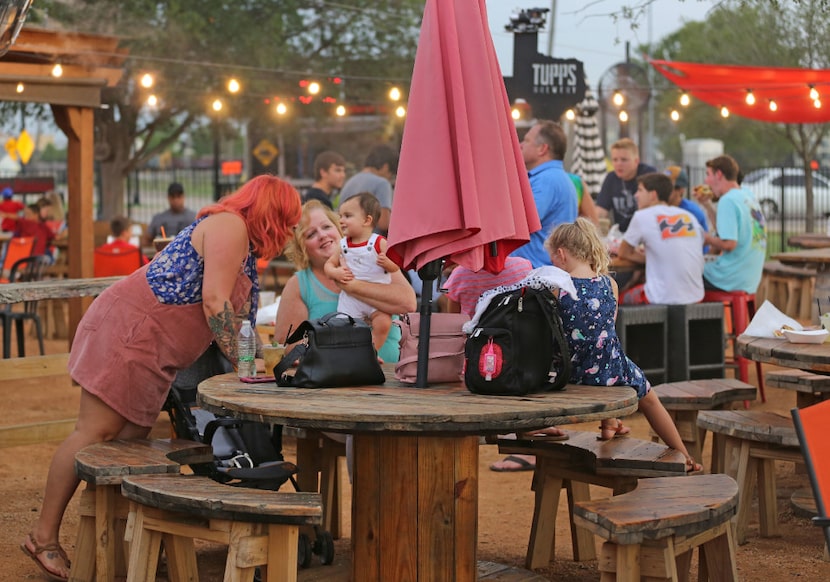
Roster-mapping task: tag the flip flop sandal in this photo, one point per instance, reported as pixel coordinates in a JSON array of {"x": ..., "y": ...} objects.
[
  {"x": 619, "y": 431},
  {"x": 33, "y": 554},
  {"x": 693, "y": 467},
  {"x": 523, "y": 465}
]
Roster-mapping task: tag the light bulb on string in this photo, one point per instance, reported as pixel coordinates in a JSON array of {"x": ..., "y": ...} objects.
[
  {"x": 313, "y": 88},
  {"x": 814, "y": 95},
  {"x": 685, "y": 99},
  {"x": 724, "y": 111},
  {"x": 395, "y": 94},
  {"x": 817, "y": 103},
  {"x": 623, "y": 116},
  {"x": 20, "y": 88},
  {"x": 675, "y": 115},
  {"x": 618, "y": 98},
  {"x": 773, "y": 106},
  {"x": 57, "y": 70},
  {"x": 340, "y": 111},
  {"x": 217, "y": 105},
  {"x": 515, "y": 114},
  {"x": 282, "y": 108},
  {"x": 400, "y": 111},
  {"x": 570, "y": 115},
  {"x": 750, "y": 97},
  {"x": 147, "y": 80},
  {"x": 152, "y": 100},
  {"x": 233, "y": 86}
]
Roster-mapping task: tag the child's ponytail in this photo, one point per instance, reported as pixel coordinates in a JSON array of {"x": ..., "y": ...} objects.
[{"x": 582, "y": 241}]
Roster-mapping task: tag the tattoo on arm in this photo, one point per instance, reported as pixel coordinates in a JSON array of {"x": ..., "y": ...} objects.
[{"x": 223, "y": 326}]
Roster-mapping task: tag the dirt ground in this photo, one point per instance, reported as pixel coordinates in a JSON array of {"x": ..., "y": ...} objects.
[{"x": 505, "y": 503}]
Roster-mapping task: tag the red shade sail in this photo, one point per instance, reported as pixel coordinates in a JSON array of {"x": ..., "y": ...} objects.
[
  {"x": 728, "y": 85},
  {"x": 462, "y": 190}
]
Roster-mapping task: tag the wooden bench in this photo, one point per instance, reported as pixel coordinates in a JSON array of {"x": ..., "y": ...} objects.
[
  {"x": 260, "y": 528},
  {"x": 102, "y": 510},
  {"x": 576, "y": 463},
  {"x": 651, "y": 531},
  {"x": 789, "y": 288},
  {"x": 810, "y": 388},
  {"x": 746, "y": 445},
  {"x": 683, "y": 401}
]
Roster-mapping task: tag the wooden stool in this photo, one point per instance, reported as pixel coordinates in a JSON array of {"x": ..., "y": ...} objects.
[
  {"x": 574, "y": 464},
  {"x": 789, "y": 288},
  {"x": 810, "y": 388},
  {"x": 103, "y": 512},
  {"x": 651, "y": 531},
  {"x": 746, "y": 445},
  {"x": 683, "y": 401},
  {"x": 261, "y": 528},
  {"x": 741, "y": 309}
]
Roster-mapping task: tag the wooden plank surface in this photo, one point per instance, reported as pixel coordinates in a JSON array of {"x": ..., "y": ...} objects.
[
  {"x": 54, "y": 289},
  {"x": 810, "y": 357},
  {"x": 703, "y": 394},
  {"x": 754, "y": 425},
  {"x": 205, "y": 497},
  {"x": 661, "y": 507},
  {"x": 798, "y": 380},
  {"x": 449, "y": 408},
  {"x": 33, "y": 367},
  {"x": 810, "y": 256}
]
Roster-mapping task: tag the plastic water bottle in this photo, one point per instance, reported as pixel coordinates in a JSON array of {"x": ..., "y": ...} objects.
[{"x": 246, "y": 351}]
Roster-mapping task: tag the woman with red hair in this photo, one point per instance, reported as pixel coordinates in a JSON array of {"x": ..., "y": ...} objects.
[{"x": 138, "y": 333}]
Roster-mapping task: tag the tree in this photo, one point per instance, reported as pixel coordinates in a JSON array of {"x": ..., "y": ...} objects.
[
  {"x": 194, "y": 48},
  {"x": 761, "y": 33}
]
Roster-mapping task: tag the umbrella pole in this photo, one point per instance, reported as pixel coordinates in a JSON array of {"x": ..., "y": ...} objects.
[{"x": 428, "y": 274}]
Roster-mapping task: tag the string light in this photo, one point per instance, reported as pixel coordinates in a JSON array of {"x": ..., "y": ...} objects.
[
  {"x": 233, "y": 86},
  {"x": 282, "y": 109},
  {"x": 685, "y": 99},
  {"x": 400, "y": 111},
  {"x": 152, "y": 100},
  {"x": 395, "y": 94},
  {"x": 57, "y": 70},
  {"x": 570, "y": 115},
  {"x": 773, "y": 106},
  {"x": 147, "y": 80},
  {"x": 817, "y": 103},
  {"x": 750, "y": 97},
  {"x": 675, "y": 115},
  {"x": 217, "y": 105},
  {"x": 624, "y": 116},
  {"x": 814, "y": 95},
  {"x": 618, "y": 98},
  {"x": 313, "y": 88},
  {"x": 340, "y": 111},
  {"x": 724, "y": 111},
  {"x": 20, "y": 88},
  {"x": 515, "y": 114}
]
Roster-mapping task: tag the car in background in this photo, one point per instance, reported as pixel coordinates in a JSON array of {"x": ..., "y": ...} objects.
[{"x": 767, "y": 185}]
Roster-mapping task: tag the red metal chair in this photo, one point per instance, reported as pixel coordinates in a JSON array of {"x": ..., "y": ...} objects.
[
  {"x": 18, "y": 247},
  {"x": 115, "y": 262},
  {"x": 741, "y": 306}
]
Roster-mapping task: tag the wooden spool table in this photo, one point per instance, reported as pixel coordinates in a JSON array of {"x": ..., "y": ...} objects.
[
  {"x": 818, "y": 258},
  {"x": 415, "y": 494}
]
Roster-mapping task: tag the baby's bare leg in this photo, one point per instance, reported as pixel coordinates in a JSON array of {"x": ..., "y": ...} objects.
[{"x": 381, "y": 324}]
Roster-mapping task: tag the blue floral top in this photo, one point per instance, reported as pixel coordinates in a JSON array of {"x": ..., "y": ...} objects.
[
  {"x": 596, "y": 354},
  {"x": 175, "y": 275}
]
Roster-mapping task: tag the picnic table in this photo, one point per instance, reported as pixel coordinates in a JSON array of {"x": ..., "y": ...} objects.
[
  {"x": 810, "y": 240},
  {"x": 818, "y": 258},
  {"x": 415, "y": 493}
]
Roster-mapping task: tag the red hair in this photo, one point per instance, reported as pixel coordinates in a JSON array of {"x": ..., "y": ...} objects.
[{"x": 270, "y": 208}]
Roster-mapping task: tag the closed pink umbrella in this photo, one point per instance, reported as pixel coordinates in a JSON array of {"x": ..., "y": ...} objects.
[{"x": 462, "y": 191}]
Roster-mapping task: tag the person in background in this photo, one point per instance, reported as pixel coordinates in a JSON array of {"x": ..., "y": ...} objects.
[
  {"x": 10, "y": 210},
  {"x": 376, "y": 178},
  {"x": 584, "y": 200},
  {"x": 741, "y": 237},
  {"x": 310, "y": 294},
  {"x": 174, "y": 219},
  {"x": 543, "y": 149},
  {"x": 464, "y": 286},
  {"x": 597, "y": 358},
  {"x": 329, "y": 175},
  {"x": 32, "y": 224},
  {"x": 52, "y": 212},
  {"x": 673, "y": 247},
  {"x": 120, "y": 230},
  {"x": 678, "y": 198},
  {"x": 362, "y": 256},
  {"x": 617, "y": 191},
  {"x": 197, "y": 290}
]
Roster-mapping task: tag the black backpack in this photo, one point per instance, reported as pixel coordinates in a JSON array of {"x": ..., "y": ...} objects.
[{"x": 518, "y": 346}]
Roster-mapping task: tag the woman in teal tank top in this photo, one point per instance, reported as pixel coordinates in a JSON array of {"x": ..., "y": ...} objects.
[{"x": 309, "y": 294}]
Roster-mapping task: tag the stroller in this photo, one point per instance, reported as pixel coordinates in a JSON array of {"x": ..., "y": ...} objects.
[{"x": 246, "y": 453}]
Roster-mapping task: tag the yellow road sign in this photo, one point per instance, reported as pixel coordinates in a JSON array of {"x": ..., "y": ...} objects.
[
  {"x": 265, "y": 152},
  {"x": 25, "y": 146},
  {"x": 11, "y": 148}
]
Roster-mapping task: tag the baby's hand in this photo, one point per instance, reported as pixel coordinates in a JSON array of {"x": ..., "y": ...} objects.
[
  {"x": 341, "y": 274},
  {"x": 388, "y": 265}
]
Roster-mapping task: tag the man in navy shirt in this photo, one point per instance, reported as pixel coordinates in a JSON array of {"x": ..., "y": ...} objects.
[{"x": 619, "y": 186}]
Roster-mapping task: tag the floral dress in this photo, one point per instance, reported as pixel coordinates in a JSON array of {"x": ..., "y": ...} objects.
[{"x": 597, "y": 358}]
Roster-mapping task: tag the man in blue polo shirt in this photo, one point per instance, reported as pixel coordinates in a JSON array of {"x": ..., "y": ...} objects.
[{"x": 543, "y": 149}]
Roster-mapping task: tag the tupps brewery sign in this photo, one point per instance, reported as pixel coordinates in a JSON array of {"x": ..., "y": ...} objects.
[{"x": 550, "y": 86}]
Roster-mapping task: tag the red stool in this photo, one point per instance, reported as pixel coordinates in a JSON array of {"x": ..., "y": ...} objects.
[{"x": 741, "y": 307}]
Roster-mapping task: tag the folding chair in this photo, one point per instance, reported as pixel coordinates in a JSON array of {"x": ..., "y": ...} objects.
[
  {"x": 111, "y": 263},
  {"x": 23, "y": 271},
  {"x": 811, "y": 427},
  {"x": 17, "y": 247}
]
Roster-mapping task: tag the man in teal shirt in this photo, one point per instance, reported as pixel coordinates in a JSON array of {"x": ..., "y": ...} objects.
[{"x": 741, "y": 235}]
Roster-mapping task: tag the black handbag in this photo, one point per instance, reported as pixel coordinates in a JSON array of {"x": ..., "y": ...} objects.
[{"x": 335, "y": 350}]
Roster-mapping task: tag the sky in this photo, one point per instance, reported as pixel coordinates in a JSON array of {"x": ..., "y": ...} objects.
[{"x": 584, "y": 30}]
